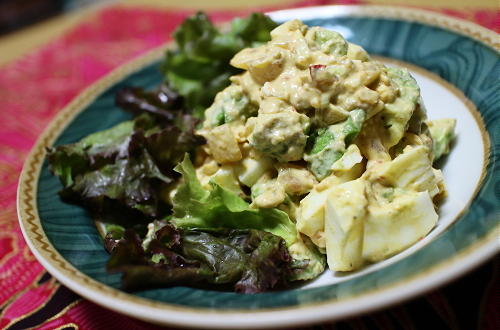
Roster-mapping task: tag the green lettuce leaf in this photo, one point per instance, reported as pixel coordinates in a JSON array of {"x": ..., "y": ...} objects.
[
  {"x": 251, "y": 260},
  {"x": 121, "y": 173},
  {"x": 199, "y": 68},
  {"x": 134, "y": 181},
  {"x": 94, "y": 151},
  {"x": 196, "y": 207},
  {"x": 253, "y": 30}
]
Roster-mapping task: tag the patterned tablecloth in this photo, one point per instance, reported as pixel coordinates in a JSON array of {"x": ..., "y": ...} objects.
[{"x": 35, "y": 87}]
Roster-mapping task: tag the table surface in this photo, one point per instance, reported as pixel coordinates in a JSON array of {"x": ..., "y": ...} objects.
[
  {"x": 13, "y": 46},
  {"x": 52, "y": 61}
]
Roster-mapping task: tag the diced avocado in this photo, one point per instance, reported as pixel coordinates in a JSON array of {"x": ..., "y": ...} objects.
[
  {"x": 320, "y": 140},
  {"x": 327, "y": 41},
  {"x": 442, "y": 133},
  {"x": 327, "y": 145},
  {"x": 320, "y": 165},
  {"x": 397, "y": 114},
  {"x": 353, "y": 125},
  {"x": 231, "y": 104},
  {"x": 308, "y": 260},
  {"x": 281, "y": 135}
]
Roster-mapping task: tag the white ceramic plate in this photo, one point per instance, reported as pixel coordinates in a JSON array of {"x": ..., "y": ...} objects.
[{"x": 454, "y": 62}]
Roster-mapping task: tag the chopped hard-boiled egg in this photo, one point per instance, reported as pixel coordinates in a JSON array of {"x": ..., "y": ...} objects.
[
  {"x": 344, "y": 225},
  {"x": 341, "y": 143},
  {"x": 394, "y": 225}
]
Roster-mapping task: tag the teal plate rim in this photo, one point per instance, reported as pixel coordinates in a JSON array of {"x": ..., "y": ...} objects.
[{"x": 294, "y": 307}]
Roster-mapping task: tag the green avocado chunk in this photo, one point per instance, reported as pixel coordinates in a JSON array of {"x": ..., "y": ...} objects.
[
  {"x": 396, "y": 115},
  {"x": 329, "y": 42},
  {"x": 442, "y": 133},
  {"x": 281, "y": 135},
  {"x": 230, "y": 105},
  {"x": 327, "y": 145}
]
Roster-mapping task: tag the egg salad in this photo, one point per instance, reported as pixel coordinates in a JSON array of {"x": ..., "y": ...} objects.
[{"x": 340, "y": 142}]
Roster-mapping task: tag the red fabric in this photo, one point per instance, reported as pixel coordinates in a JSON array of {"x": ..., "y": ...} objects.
[
  {"x": 32, "y": 90},
  {"x": 27, "y": 302},
  {"x": 90, "y": 316}
]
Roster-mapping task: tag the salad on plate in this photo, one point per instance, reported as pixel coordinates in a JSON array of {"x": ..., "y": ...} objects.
[{"x": 268, "y": 154}]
